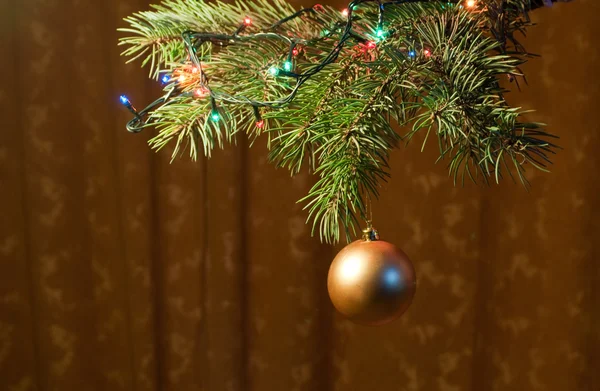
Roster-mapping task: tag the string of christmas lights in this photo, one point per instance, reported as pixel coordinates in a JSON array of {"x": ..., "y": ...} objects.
[
  {"x": 193, "y": 40},
  {"x": 286, "y": 70},
  {"x": 333, "y": 89}
]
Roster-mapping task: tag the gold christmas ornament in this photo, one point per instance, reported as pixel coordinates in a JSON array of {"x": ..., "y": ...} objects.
[{"x": 371, "y": 282}]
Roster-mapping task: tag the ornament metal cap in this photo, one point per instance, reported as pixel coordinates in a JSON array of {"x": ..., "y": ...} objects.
[{"x": 370, "y": 234}]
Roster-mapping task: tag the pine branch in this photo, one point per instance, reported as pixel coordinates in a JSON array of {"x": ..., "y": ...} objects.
[
  {"x": 157, "y": 34},
  {"x": 462, "y": 100},
  {"x": 341, "y": 97}
]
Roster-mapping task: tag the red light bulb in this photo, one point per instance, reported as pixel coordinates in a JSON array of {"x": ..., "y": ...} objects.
[
  {"x": 247, "y": 21},
  {"x": 345, "y": 12},
  {"x": 260, "y": 124},
  {"x": 201, "y": 92},
  {"x": 427, "y": 53},
  {"x": 371, "y": 45},
  {"x": 295, "y": 52}
]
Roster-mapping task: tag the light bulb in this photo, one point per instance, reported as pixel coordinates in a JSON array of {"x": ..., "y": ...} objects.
[
  {"x": 201, "y": 92},
  {"x": 274, "y": 71}
]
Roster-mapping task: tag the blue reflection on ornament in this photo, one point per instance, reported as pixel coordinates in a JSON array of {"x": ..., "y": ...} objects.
[{"x": 391, "y": 278}]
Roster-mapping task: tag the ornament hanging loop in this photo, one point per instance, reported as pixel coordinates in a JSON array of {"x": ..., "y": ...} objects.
[{"x": 370, "y": 234}]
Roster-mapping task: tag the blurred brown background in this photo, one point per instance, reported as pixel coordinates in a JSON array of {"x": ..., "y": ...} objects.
[{"x": 119, "y": 271}]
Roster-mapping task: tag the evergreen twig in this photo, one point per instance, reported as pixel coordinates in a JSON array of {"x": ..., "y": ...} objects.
[{"x": 437, "y": 70}]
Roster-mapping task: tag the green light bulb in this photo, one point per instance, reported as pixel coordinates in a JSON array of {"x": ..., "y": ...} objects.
[
  {"x": 379, "y": 33},
  {"x": 274, "y": 71},
  {"x": 215, "y": 116},
  {"x": 287, "y": 66}
]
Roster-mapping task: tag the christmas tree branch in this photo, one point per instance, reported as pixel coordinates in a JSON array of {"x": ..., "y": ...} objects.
[
  {"x": 331, "y": 90},
  {"x": 462, "y": 99}
]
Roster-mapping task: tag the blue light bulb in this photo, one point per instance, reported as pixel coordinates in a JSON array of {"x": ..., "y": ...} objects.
[
  {"x": 124, "y": 100},
  {"x": 166, "y": 79},
  {"x": 412, "y": 53}
]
